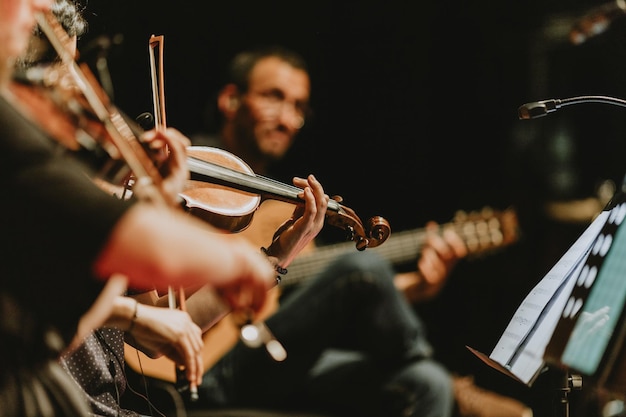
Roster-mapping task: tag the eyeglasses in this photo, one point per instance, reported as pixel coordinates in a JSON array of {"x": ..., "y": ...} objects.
[{"x": 273, "y": 103}]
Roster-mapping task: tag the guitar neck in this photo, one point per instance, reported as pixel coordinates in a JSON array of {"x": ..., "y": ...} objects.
[
  {"x": 481, "y": 232},
  {"x": 401, "y": 247}
]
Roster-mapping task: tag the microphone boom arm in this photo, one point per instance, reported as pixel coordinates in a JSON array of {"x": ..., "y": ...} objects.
[{"x": 541, "y": 108}]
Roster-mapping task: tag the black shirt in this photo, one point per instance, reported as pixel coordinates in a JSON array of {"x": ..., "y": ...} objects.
[{"x": 53, "y": 223}]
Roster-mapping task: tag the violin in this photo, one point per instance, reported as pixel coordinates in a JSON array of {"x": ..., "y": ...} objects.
[{"x": 224, "y": 191}]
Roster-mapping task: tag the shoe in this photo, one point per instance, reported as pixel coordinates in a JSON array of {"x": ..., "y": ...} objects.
[{"x": 473, "y": 401}]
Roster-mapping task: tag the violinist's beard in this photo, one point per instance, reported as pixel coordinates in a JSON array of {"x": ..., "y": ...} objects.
[
  {"x": 273, "y": 150},
  {"x": 256, "y": 148},
  {"x": 272, "y": 142}
]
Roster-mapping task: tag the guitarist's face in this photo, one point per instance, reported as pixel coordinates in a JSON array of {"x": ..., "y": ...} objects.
[{"x": 273, "y": 110}]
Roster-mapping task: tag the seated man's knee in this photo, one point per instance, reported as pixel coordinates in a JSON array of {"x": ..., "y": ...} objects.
[{"x": 423, "y": 388}]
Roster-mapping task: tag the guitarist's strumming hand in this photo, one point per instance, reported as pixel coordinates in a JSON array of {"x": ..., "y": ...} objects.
[{"x": 440, "y": 253}]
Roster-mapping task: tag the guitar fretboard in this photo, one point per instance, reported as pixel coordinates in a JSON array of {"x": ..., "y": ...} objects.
[{"x": 481, "y": 232}]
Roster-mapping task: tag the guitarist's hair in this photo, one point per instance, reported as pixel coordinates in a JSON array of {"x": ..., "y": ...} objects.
[{"x": 243, "y": 63}]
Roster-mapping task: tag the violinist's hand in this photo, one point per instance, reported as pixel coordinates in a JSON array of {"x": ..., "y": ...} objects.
[
  {"x": 159, "y": 331},
  {"x": 304, "y": 225},
  {"x": 170, "y": 153},
  {"x": 244, "y": 287},
  {"x": 439, "y": 255}
]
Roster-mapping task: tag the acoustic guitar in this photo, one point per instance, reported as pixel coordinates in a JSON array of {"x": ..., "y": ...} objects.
[{"x": 483, "y": 231}]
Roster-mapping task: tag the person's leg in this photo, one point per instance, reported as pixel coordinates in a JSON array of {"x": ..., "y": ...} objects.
[
  {"x": 352, "y": 305},
  {"x": 349, "y": 383}
]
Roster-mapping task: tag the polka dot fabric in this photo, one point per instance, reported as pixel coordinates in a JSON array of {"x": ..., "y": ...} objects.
[{"x": 97, "y": 366}]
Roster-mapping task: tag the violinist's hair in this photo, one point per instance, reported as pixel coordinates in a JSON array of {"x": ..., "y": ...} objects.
[
  {"x": 70, "y": 17},
  {"x": 243, "y": 63}
]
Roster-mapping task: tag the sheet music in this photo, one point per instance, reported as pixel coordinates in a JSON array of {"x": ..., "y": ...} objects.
[
  {"x": 522, "y": 345},
  {"x": 602, "y": 294}
]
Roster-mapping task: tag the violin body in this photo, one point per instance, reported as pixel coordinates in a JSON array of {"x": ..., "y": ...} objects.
[{"x": 224, "y": 207}]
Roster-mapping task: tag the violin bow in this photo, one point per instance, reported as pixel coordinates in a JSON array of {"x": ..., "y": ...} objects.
[
  {"x": 252, "y": 334},
  {"x": 158, "y": 100}
]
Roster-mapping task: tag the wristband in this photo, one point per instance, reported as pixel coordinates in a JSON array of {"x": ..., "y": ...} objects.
[{"x": 278, "y": 268}]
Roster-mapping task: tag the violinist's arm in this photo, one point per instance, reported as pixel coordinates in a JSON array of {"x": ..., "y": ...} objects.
[{"x": 439, "y": 255}]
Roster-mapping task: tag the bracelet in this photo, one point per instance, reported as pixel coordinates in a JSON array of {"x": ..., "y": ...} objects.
[
  {"x": 133, "y": 319},
  {"x": 278, "y": 268}
]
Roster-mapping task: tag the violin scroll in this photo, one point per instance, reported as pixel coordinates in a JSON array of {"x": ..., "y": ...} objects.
[
  {"x": 374, "y": 233},
  {"x": 378, "y": 229}
]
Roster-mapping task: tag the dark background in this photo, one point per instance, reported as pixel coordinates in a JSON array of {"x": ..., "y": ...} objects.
[
  {"x": 415, "y": 103},
  {"x": 415, "y": 115}
]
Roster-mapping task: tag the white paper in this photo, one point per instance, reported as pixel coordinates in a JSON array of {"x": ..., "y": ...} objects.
[{"x": 522, "y": 345}]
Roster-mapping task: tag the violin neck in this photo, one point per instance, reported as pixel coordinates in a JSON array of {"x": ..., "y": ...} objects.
[{"x": 201, "y": 170}]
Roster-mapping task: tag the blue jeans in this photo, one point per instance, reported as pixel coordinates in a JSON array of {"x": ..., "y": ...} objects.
[{"x": 354, "y": 347}]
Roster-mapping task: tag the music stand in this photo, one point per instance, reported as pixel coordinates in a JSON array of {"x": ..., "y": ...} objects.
[
  {"x": 589, "y": 337},
  {"x": 575, "y": 318}
]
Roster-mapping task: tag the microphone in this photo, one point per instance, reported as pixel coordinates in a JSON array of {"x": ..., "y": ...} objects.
[
  {"x": 596, "y": 21},
  {"x": 541, "y": 108}
]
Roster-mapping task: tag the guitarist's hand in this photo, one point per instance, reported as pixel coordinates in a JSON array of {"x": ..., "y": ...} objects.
[
  {"x": 304, "y": 225},
  {"x": 159, "y": 331},
  {"x": 439, "y": 255}
]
